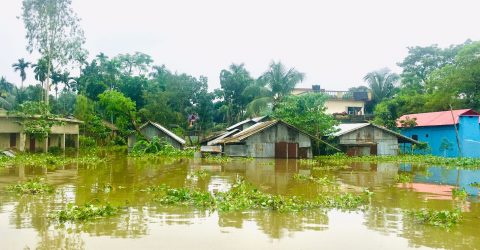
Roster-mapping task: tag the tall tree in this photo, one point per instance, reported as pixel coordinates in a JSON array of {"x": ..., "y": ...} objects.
[
  {"x": 52, "y": 29},
  {"x": 234, "y": 81},
  {"x": 21, "y": 66},
  {"x": 382, "y": 83},
  {"x": 281, "y": 80}
]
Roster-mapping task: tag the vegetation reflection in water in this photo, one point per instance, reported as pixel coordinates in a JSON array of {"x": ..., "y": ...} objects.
[{"x": 193, "y": 187}]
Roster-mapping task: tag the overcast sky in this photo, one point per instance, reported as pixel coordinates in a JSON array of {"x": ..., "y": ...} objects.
[{"x": 334, "y": 42}]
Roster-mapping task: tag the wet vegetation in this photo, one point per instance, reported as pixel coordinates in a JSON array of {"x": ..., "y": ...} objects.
[
  {"x": 32, "y": 186},
  {"x": 460, "y": 194},
  {"x": 443, "y": 218},
  {"x": 325, "y": 180},
  {"x": 86, "y": 212},
  {"x": 156, "y": 148},
  {"x": 50, "y": 160},
  {"x": 244, "y": 196},
  {"x": 404, "y": 177},
  {"x": 426, "y": 160}
]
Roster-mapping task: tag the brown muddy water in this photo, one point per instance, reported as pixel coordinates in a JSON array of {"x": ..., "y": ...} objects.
[{"x": 142, "y": 224}]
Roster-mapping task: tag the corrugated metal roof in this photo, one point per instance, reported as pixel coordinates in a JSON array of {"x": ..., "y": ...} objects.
[
  {"x": 345, "y": 128},
  {"x": 437, "y": 118},
  {"x": 249, "y": 131},
  {"x": 255, "y": 120},
  {"x": 219, "y": 138},
  {"x": 166, "y": 131}
]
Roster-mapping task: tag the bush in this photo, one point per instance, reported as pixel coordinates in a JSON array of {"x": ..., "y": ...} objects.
[
  {"x": 87, "y": 142},
  {"x": 55, "y": 150}
]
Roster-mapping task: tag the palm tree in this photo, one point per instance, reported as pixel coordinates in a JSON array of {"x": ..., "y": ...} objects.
[
  {"x": 21, "y": 65},
  {"x": 280, "y": 80},
  {"x": 270, "y": 88},
  {"x": 382, "y": 83}
]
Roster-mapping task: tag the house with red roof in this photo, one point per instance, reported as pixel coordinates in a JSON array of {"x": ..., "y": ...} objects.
[{"x": 441, "y": 129}]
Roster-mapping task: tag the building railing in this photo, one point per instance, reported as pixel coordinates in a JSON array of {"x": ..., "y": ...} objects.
[
  {"x": 346, "y": 95},
  {"x": 353, "y": 118}
]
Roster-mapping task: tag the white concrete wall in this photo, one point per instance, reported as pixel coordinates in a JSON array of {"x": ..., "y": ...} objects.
[{"x": 340, "y": 106}]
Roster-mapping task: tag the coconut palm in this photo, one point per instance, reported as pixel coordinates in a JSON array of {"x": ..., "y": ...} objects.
[
  {"x": 21, "y": 66},
  {"x": 382, "y": 83},
  {"x": 280, "y": 80},
  {"x": 270, "y": 88}
]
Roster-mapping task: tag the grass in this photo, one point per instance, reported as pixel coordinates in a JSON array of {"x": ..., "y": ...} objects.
[
  {"x": 31, "y": 186},
  {"x": 86, "y": 212},
  {"x": 443, "y": 218},
  {"x": 243, "y": 196},
  {"x": 342, "y": 159}
]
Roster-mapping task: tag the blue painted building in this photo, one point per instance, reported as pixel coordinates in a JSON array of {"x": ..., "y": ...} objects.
[{"x": 437, "y": 129}]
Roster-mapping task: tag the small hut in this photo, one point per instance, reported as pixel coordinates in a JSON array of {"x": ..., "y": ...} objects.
[
  {"x": 151, "y": 129},
  {"x": 357, "y": 139}
]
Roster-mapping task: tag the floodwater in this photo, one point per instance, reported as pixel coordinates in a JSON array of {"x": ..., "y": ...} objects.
[{"x": 142, "y": 224}]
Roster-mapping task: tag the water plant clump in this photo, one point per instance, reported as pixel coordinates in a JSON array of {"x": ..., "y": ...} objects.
[
  {"x": 182, "y": 196},
  {"x": 50, "y": 160},
  {"x": 342, "y": 159},
  {"x": 475, "y": 184},
  {"x": 201, "y": 174},
  {"x": 443, "y": 218},
  {"x": 85, "y": 213},
  {"x": 32, "y": 186},
  {"x": 244, "y": 196},
  {"x": 460, "y": 194},
  {"x": 318, "y": 180},
  {"x": 404, "y": 178},
  {"x": 217, "y": 159}
]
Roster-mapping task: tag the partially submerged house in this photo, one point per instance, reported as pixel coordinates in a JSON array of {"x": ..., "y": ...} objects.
[
  {"x": 437, "y": 129},
  {"x": 151, "y": 129},
  {"x": 13, "y": 136},
  {"x": 265, "y": 139},
  {"x": 358, "y": 139}
]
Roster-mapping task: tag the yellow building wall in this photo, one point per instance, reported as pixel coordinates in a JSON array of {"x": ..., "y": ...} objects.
[{"x": 340, "y": 106}]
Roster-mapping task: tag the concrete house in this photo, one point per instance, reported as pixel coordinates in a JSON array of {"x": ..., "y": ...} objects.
[
  {"x": 358, "y": 139},
  {"x": 268, "y": 139},
  {"x": 151, "y": 129},
  {"x": 340, "y": 102},
  {"x": 437, "y": 129},
  {"x": 12, "y": 135}
]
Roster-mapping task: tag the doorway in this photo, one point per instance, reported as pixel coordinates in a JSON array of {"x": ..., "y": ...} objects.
[{"x": 32, "y": 144}]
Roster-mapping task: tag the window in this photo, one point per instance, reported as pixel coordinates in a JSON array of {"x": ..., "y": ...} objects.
[
  {"x": 415, "y": 137},
  {"x": 354, "y": 110}
]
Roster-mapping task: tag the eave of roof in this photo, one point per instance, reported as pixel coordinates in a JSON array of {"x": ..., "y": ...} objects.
[
  {"x": 363, "y": 125},
  {"x": 166, "y": 131},
  {"x": 441, "y": 118}
]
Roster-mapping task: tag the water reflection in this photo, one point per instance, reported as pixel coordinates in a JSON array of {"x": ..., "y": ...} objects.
[{"x": 121, "y": 183}]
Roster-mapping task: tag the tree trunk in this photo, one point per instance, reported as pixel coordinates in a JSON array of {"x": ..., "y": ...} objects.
[{"x": 47, "y": 84}]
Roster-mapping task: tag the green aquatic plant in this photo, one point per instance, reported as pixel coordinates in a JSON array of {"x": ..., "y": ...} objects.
[
  {"x": 342, "y": 159},
  {"x": 443, "y": 218},
  {"x": 403, "y": 177},
  {"x": 475, "y": 184},
  {"x": 244, "y": 196},
  {"x": 85, "y": 213},
  {"x": 318, "y": 180},
  {"x": 50, "y": 160},
  {"x": 460, "y": 194},
  {"x": 158, "y": 147},
  {"x": 32, "y": 186},
  {"x": 182, "y": 196},
  {"x": 201, "y": 174},
  {"x": 217, "y": 159}
]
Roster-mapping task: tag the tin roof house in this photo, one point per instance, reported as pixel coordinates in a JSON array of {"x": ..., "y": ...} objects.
[
  {"x": 437, "y": 129},
  {"x": 151, "y": 129},
  {"x": 358, "y": 139},
  {"x": 262, "y": 138}
]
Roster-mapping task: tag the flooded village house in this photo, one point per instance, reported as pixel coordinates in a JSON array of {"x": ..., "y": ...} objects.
[
  {"x": 359, "y": 139},
  {"x": 437, "y": 129},
  {"x": 263, "y": 139},
  {"x": 151, "y": 129},
  {"x": 12, "y": 135}
]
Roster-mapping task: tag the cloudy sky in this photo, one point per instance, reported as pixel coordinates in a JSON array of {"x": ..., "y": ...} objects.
[{"x": 334, "y": 42}]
